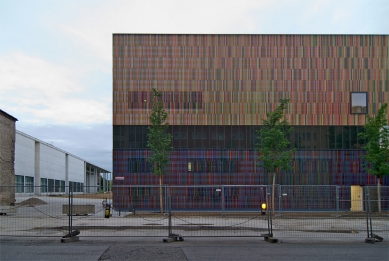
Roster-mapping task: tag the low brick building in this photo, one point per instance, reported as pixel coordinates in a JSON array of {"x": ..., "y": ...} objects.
[{"x": 7, "y": 158}]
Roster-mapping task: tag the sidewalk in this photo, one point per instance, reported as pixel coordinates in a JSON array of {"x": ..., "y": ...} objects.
[{"x": 192, "y": 249}]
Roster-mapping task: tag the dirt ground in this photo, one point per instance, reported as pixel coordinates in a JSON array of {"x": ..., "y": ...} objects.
[
  {"x": 107, "y": 195},
  {"x": 96, "y": 196},
  {"x": 32, "y": 202}
]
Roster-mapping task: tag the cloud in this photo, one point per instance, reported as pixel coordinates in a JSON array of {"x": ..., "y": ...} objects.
[
  {"x": 47, "y": 92},
  {"x": 95, "y": 29},
  {"x": 93, "y": 26}
]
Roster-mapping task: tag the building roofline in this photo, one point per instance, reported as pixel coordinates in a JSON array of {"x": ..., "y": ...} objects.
[
  {"x": 8, "y": 115},
  {"x": 250, "y": 34}
]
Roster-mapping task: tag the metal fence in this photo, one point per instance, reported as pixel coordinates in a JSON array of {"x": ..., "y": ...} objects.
[{"x": 201, "y": 211}]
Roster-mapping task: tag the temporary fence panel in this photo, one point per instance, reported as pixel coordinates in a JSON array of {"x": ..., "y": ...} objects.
[
  {"x": 34, "y": 215},
  {"x": 325, "y": 211},
  {"x": 198, "y": 211},
  {"x": 218, "y": 211}
]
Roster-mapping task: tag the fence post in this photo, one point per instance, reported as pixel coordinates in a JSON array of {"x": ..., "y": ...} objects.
[
  {"x": 171, "y": 237},
  {"x": 170, "y": 213},
  {"x": 269, "y": 211},
  {"x": 337, "y": 201},
  {"x": 279, "y": 200},
  {"x": 72, "y": 235},
  {"x": 70, "y": 210},
  {"x": 223, "y": 202},
  {"x": 367, "y": 209},
  {"x": 165, "y": 198},
  {"x": 371, "y": 238}
]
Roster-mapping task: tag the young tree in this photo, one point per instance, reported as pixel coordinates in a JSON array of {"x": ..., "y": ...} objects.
[
  {"x": 272, "y": 143},
  {"x": 376, "y": 135},
  {"x": 159, "y": 141}
]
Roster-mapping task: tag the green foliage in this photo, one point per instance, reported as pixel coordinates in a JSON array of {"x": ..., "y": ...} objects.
[
  {"x": 272, "y": 144},
  {"x": 107, "y": 183},
  {"x": 158, "y": 139},
  {"x": 376, "y": 135}
]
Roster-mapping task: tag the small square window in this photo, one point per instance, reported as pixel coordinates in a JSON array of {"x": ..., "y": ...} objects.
[
  {"x": 358, "y": 102},
  {"x": 195, "y": 135}
]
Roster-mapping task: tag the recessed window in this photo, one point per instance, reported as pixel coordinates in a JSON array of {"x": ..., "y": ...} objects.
[
  {"x": 195, "y": 135},
  {"x": 43, "y": 185},
  {"x": 358, "y": 102},
  {"x": 19, "y": 184},
  {"x": 29, "y": 184}
]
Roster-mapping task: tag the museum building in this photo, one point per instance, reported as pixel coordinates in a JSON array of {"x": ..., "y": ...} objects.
[{"x": 217, "y": 89}]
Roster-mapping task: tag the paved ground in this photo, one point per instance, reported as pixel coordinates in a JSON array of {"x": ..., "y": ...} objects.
[
  {"x": 243, "y": 249},
  {"x": 34, "y": 233}
]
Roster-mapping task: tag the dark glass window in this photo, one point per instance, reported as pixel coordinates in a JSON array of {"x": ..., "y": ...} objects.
[
  {"x": 190, "y": 137},
  {"x": 132, "y": 137},
  {"x": 51, "y": 185},
  {"x": 205, "y": 136},
  {"x": 317, "y": 138},
  {"x": 197, "y": 137},
  {"x": 252, "y": 134},
  {"x": 358, "y": 102},
  {"x": 241, "y": 137},
  {"x": 116, "y": 137},
  {"x": 238, "y": 136},
  {"x": 143, "y": 136},
  {"x": 184, "y": 137},
  {"x": 176, "y": 136},
  {"x": 346, "y": 137}
]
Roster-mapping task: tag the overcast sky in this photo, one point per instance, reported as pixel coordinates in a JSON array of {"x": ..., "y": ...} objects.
[{"x": 56, "y": 56}]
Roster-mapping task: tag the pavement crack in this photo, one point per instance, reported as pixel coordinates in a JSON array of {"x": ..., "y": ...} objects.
[{"x": 102, "y": 255}]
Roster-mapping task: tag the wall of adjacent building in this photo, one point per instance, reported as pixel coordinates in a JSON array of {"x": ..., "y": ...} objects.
[
  {"x": 75, "y": 167},
  {"x": 42, "y": 168},
  {"x": 7, "y": 158}
]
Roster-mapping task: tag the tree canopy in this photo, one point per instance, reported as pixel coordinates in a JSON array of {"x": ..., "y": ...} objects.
[
  {"x": 272, "y": 142},
  {"x": 159, "y": 140},
  {"x": 376, "y": 135}
]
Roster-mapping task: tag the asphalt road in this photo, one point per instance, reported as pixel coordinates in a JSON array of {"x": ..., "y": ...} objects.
[{"x": 192, "y": 249}]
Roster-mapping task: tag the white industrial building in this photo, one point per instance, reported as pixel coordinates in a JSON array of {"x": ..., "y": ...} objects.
[{"x": 41, "y": 168}]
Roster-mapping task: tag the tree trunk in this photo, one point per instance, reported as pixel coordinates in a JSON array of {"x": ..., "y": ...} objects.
[
  {"x": 272, "y": 193},
  {"x": 379, "y": 194},
  {"x": 160, "y": 194}
]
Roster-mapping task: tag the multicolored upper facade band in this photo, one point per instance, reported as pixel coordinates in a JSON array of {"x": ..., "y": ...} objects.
[{"x": 331, "y": 80}]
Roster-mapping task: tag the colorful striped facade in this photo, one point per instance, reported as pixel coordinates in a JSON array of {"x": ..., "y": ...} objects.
[{"x": 218, "y": 88}]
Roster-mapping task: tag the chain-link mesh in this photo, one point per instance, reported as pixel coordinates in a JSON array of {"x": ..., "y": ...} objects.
[{"x": 198, "y": 211}]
